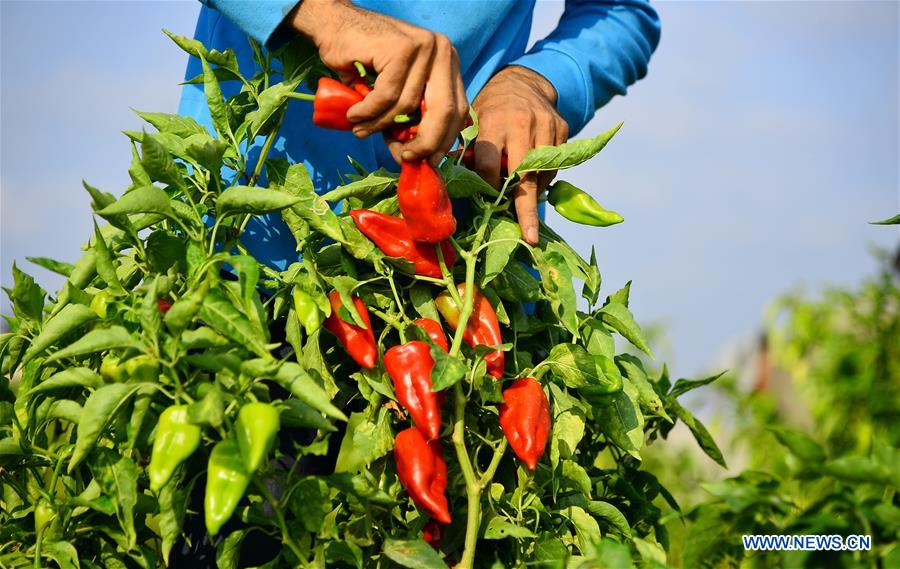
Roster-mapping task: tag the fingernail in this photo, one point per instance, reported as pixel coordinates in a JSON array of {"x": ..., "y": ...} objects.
[
  {"x": 531, "y": 235},
  {"x": 360, "y": 132},
  {"x": 408, "y": 155}
]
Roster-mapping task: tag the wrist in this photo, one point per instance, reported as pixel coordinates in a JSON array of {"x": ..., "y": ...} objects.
[
  {"x": 315, "y": 19},
  {"x": 535, "y": 79}
]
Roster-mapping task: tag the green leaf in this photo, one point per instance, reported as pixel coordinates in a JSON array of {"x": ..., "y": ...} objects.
[
  {"x": 648, "y": 398},
  {"x": 504, "y": 234},
  {"x": 68, "y": 319},
  {"x": 682, "y": 386},
  {"x": 97, "y": 341},
  {"x": 219, "y": 312},
  {"x": 612, "y": 515},
  {"x": 345, "y": 286},
  {"x": 178, "y": 125},
  {"x": 620, "y": 319},
  {"x": 146, "y": 199},
  {"x": 413, "y": 553},
  {"x": 464, "y": 183},
  {"x": 247, "y": 269},
  {"x": 889, "y": 221},
  {"x": 566, "y": 155},
  {"x": 100, "y": 200},
  {"x": 367, "y": 188},
  {"x": 26, "y": 296},
  {"x": 800, "y": 445},
  {"x": 577, "y": 368},
  {"x": 447, "y": 370},
  {"x": 556, "y": 278},
  {"x": 105, "y": 266},
  {"x": 861, "y": 469},
  {"x": 157, "y": 162},
  {"x": 614, "y": 554},
  {"x": 568, "y": 430},
  {"x": 422, "y": 298},
  {"x": 70, "y": 377},
  {"x": 117, "y": 476},
  {"x": 516, "y": 284},
  {"x": 228, "y": 552},
  {"x": 500, "y": 528},
  {"x": 58, "y": 267},
  {"x": 218, "y": 110},
  {"x": 63, "y": 553},
  {"x": 246, "y": 199},
  {"x": 364, "y": 441},
  {"x": 296, "y": 380},
  {"x": 209, "y": 410},
  {"x": 578, "y": 476},
  {"x": 269, "y": 101},
  {"x": 309, "y": 501},
  {"x": 621, "y": 420},
  {"x": 99, "y": 409},
  {"x": 620, "y": 296},
  {"x": 311, "y": 208},
  {"x": 226, "y": 59},
  {"x": 704, "y": 439},
  {"x": 587, "y": 531},
  {"x": 343, "y": 552},
  {"x": 295, "y": 413}
]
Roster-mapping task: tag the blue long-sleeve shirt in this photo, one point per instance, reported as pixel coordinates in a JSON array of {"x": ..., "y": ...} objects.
[{"x": 596, "y": 51}]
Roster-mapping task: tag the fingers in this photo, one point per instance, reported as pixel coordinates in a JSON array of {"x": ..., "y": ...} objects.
[
  {"x": 444, "y": 116},
  {"x": 488, "y": 150},
  {"x": 399, "y": 85}
]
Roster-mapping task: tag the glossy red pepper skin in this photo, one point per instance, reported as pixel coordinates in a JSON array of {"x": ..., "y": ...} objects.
[
  {"x": 423, "y": 472},
  {"x": 406, "y": 132},
  {"x": 360, "y": 86},
  {"x": 424, "y": 202},
  {"x": 434, "y": 331},
  {"x": 432, "y": 533},
  {"x": 525, "y": 419},
  {"x": 333, "y": 100},
  {"x": 409, "y": 367},
  {"x": 482, "y": 329},
  {"x": 358, "y": 342},
  {"x": 392, "y": 236}
]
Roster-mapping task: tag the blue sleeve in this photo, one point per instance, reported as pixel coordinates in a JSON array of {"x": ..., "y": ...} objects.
[
  {"x": 259, "y": 19},
  {"x": 596, "y": 51}
]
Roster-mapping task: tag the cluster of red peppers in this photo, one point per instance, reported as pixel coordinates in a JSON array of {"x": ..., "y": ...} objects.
[{"x": 419, "y": 236}]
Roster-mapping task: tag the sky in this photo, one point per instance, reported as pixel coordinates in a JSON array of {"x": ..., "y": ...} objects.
[{"x": 762, "y": 141}]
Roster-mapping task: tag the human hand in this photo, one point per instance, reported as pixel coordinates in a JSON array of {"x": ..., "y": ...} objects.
[
  {"x": 411, "y": 62},
  {"x": 517, "y": 112}
]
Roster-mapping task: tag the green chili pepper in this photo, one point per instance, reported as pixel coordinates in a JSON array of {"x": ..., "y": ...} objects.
[
  {"x": 308, "y": 313},
  {"x": 142, "y": 368},
  {"x": 176, "y": 440},
  {"x": 256, "y": 427},
  {"x": 226, "y": 481},
  {"x": 578, "y": 206},
  {"x": 112, "y": 370}
]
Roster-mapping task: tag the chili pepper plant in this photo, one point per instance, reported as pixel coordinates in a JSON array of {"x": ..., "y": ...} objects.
[{"x": 176, "y": 382}]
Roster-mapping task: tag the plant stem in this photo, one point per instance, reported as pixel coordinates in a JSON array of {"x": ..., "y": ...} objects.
[{"x": 285, "y": 536}]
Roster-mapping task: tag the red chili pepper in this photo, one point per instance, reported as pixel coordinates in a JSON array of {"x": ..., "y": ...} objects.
[
  {"x": 432, "y": 533},
  {"x": 525, "y": 419},
  {"x": 424, "y": 202},
  {"x": 423, "y": 472},
  {"x": 482, "y": 328},
  {"x": 358, "y": 342},
  {"x": 405, "y": 132},
  {"x": 333, "y": 100},
  {"x": 360, "y": 86},
  {"x": 392, "y": 236},
  {"x": 434, "y": 331},
  {"x": 163, "y": 304},
  {"x": 409, "y": 367}
]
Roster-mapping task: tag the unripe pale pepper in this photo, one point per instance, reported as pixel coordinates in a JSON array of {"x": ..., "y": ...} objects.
[
  {"x": 176, "y": 440},
  {"x": 578, "y": 206},
  {"x": 256, "y": 428},
  {"x": 226, "y": 481},
  {"x": 308, "y": 314}
]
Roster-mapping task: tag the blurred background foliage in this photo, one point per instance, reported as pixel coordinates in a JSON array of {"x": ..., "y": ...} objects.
[{"x": 809, "y": 422}]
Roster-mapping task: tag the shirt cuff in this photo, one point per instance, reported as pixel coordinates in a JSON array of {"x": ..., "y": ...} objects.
[
  {"x": 259, "y": 19},
  {"x": 572, "y": 89}
]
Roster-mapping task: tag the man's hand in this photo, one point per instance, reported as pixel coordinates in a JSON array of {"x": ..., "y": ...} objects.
[
  {"x": 517, "y": 112},
  {"x": 410, "y": 61}
]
